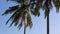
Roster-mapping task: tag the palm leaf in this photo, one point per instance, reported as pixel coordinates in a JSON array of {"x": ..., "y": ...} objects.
[
  {"x": 57, "y": 4},
  {"x": 21, "y": 23},
  {"x": 29, "y": 22},
  {"x": 17, "y": 16},
  {"x": 11, "y": 9}
]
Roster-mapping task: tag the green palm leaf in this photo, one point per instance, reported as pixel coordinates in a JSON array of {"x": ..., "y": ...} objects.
[
  {"x": 29, "y": 21},
  {"x": 11, "y": 9},
  {"x": 57, "y": 4}
]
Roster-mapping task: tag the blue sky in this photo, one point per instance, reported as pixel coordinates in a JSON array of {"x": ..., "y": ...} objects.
[{"x": 39, "y": 23}]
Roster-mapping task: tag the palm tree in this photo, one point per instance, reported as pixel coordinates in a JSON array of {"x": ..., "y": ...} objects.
[
  {"x": 21, "y": 14},
  {"x": 47, "y": 6}
]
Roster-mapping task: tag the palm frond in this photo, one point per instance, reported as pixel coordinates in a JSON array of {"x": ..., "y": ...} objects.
[
  {"x": 17, "y": 17},
  {"x": 11, "y": 18},
  {"x": 29, "y": 21},
  {"x": 21, "y": 23},
  {"x": 57, "y": 4},
  {"x": 11, "y": 10}
]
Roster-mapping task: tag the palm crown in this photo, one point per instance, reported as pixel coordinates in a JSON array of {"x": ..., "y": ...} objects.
[{"x": 23, "y": 11}]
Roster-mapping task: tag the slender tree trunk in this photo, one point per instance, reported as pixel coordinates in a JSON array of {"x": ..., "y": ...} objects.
[
  {"x": 48, "y": 24},
  {"x": 25, "y": 23},
  {"x": 24, "y": 29}
]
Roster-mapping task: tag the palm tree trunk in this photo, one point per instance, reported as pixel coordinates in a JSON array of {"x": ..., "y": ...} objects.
[
  {"x": 25, "y": 29},
  {"x": 48, "y": 24},
  {"x": 25, "y": 23}
]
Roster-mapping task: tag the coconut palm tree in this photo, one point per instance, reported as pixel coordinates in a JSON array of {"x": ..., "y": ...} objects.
[
  {"x": 21, "y": 14},
  {"x": 47, "y": 6}
]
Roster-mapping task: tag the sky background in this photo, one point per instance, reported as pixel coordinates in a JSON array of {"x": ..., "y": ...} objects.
[{"x": 39, "y": 23}]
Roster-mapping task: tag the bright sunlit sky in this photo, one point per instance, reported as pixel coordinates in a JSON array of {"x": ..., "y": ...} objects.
[{"x": 39, "y": 23}]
